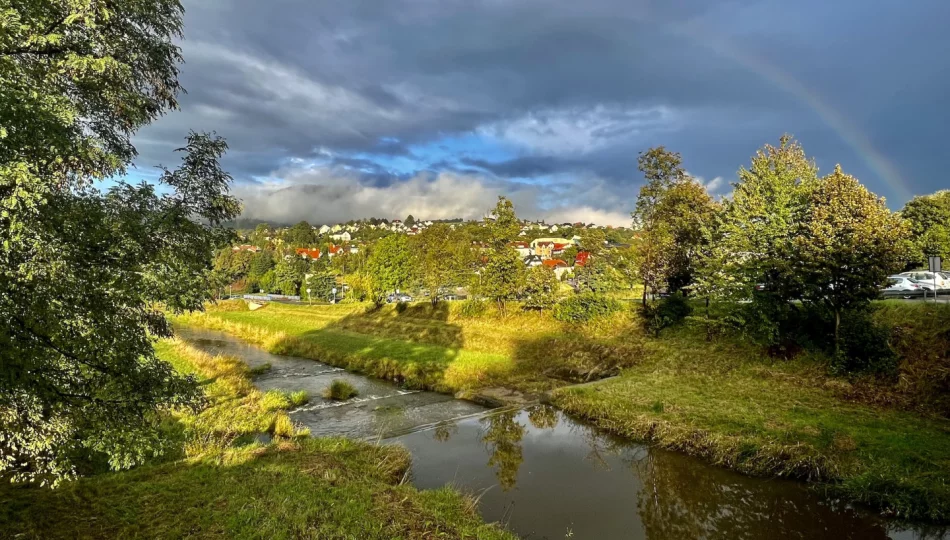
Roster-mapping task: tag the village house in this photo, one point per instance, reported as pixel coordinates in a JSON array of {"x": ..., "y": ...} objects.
[
  {"x": 342, "y": 237},
  {"x": 560, "y": 267},
  {"x": 246, "y": 247},
  {"x": 523, "y": 249},
  {"x": 324, "y": 229},
  {"x": 309, "y": 253}
]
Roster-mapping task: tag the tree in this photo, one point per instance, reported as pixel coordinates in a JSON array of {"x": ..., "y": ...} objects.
[
  {"x": 929, "y": 220},
  {"x": 390, "y": 264},
  {"x": 321, "y": 285},
  {"x": 673, "y": 215},
  {"x": 260, "y": 263},
  {"x": 288, "y": 275},
  {"x": 502, "y": 278},
  {"x": 442, "y": 257},
  {"x": 260, "y": 235},
  {"x": 410, "y": 221},
  {"x": 847, "y": 245},
  {"x": 541, "y": 288},
  {"x": 300, "y": 235},
  {"x": 756, "y": 236},
  {"x": 82, "y": 269}
]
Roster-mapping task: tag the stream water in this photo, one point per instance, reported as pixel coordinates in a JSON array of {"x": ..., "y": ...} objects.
[{"x": 544, "y": 475}]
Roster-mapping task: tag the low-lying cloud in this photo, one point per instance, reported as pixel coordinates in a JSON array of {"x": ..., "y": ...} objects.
[{"x": 323, "y": 194}]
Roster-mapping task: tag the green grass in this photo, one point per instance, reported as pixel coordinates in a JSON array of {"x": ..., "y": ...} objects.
[
  {"x": 231, "y": 487},
  {"x": 310, "y": 488},
  {"x": 435, "y": 348},
  {"x": 339, "y": 390},
  {"x": 735, "y": 408},
  {"x": 872, "y": 440}
]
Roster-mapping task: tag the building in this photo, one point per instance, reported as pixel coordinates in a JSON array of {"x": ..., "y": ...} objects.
[
  {"x": 342, "y": 237},
  {"x": 309, "y": 253},
  {"x": 523, "y": 249}
]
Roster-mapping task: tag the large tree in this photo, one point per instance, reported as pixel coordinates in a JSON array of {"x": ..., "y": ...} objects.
[
  {"x": 846, "y": 246},
  {"x": 390, "y": 264},
  {"x": 442, "y": 258},
  {"x": 503, "y": 276},
  {"x": 929, "y": 219},
  {"x": 82, "y": 270},
  {"x": 674, "y": 215}
]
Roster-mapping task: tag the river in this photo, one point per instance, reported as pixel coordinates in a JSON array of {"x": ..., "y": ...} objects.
[{"x": 544, "y": 475}]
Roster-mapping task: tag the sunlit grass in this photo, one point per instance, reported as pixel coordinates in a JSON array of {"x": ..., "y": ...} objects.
[
  {"x": 736, "y": 408},
  {"x": 294, "y": 487}
]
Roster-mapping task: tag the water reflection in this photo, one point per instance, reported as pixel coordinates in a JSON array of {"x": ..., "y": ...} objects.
[
  {"x": 559, "y": 477},
  {"x": 503, "y": 436}
]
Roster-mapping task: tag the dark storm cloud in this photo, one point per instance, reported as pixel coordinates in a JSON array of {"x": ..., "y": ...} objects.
[{"x": 572, "y": 90}]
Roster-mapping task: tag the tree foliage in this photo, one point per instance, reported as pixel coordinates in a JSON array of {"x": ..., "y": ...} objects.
[
  {"x": 390, "y": 264},
  {"x": 502, "y": 278},
  {"x": 929, "y": 219},
  {"x": 442, "y": 257},
  {"x": 81, "y": 269},
  {"x": 541, "y": 288}
]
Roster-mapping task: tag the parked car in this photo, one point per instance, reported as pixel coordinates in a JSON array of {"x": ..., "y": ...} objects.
[
  {"x": 902, "y": 287},
  {"x": 929, "y": 279}
]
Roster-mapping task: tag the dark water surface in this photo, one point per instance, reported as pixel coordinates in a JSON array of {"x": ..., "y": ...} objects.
[{"x": 545, "y": 475}]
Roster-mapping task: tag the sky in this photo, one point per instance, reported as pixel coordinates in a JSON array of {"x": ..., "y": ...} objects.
[{"x": 339, "y": 110}]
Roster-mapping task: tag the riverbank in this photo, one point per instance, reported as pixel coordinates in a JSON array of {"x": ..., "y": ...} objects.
[
  {"x": 220, "y": 482},
  {"x": 724, "y": 401}
]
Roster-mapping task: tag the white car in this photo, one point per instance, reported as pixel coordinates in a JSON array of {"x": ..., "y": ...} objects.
[
  {"x": 903, "y": 287},
  {"x": 929, "y": 279}
]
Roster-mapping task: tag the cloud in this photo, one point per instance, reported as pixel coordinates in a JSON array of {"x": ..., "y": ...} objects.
[
  {"x": 561, "y": 95},
  {"x": 327, "y": 194},
  {"x": 582, "y": 131}
]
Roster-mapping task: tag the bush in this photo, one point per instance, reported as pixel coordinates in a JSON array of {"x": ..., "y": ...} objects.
[
  {"x": 665, "y": 313},
  {"x": 585, "y": 307},
  {"x": 260, "y": 370},
  {"x": 864, "y": 346},
  {"x": 339, "y": 390}
]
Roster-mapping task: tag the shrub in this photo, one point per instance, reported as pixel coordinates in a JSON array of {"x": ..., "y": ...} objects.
[
  {"x": 339, "y": 390},
  {"x": 864, "y": 346},
  {"x": 665, "y": 313},
  {"x": 585, "y": 307}
]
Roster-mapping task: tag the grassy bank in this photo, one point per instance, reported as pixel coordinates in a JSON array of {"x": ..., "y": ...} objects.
[
  {"x": 732, "y": 405},
  {"x": 432, "y": 347},
  {"x": 876, "y": 441},
  {"x": 229, "y": 486}
]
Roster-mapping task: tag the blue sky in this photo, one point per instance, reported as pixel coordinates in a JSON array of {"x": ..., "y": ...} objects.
[{"x": 342, "y": 110}]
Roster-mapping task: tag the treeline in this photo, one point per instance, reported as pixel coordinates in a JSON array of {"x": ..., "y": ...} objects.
[{"x": 791, "y": 259}]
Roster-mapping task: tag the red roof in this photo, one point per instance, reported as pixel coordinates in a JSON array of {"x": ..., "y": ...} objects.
[
  {"x": 560, "y": 247},
  {"x": 554, "y": 263},
  {"x": 522, "y": 245},
  {"x": 333, "y": 249},
  {"x": 313, "y": 253},
  {"x": 581, "y": 258}
]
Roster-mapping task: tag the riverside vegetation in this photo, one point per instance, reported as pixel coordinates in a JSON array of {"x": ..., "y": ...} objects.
[
  {"x": 884, "y": 441},
  {"x": 217, "y": 480}
]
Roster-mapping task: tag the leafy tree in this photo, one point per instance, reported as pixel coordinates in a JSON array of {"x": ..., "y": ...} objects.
[
  {"x": 321, "y": 285},
  {"x": 502, "y": 278},
  {"x": 410, "y": 221},
  {"x": 82, "y": 269},
  {"x": 673, "y": 214},
  {"x": 504, "y": 224},
  {"x": 260, "y": 263},
  {"x": 442, "y": 257},
  {"x": 260, "y": 234},
  {"x": 300, "y": 235},
  {"x": 390, "y": 264},
  {"x": 756, "y": 237},
  {"x": 929, "y": 219},
  {"x": 541, "y": 288},
  {"x": 288, "y": 275},
  {"x": 847, "y": 245},
  {"x": 268, "y": 282}
]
